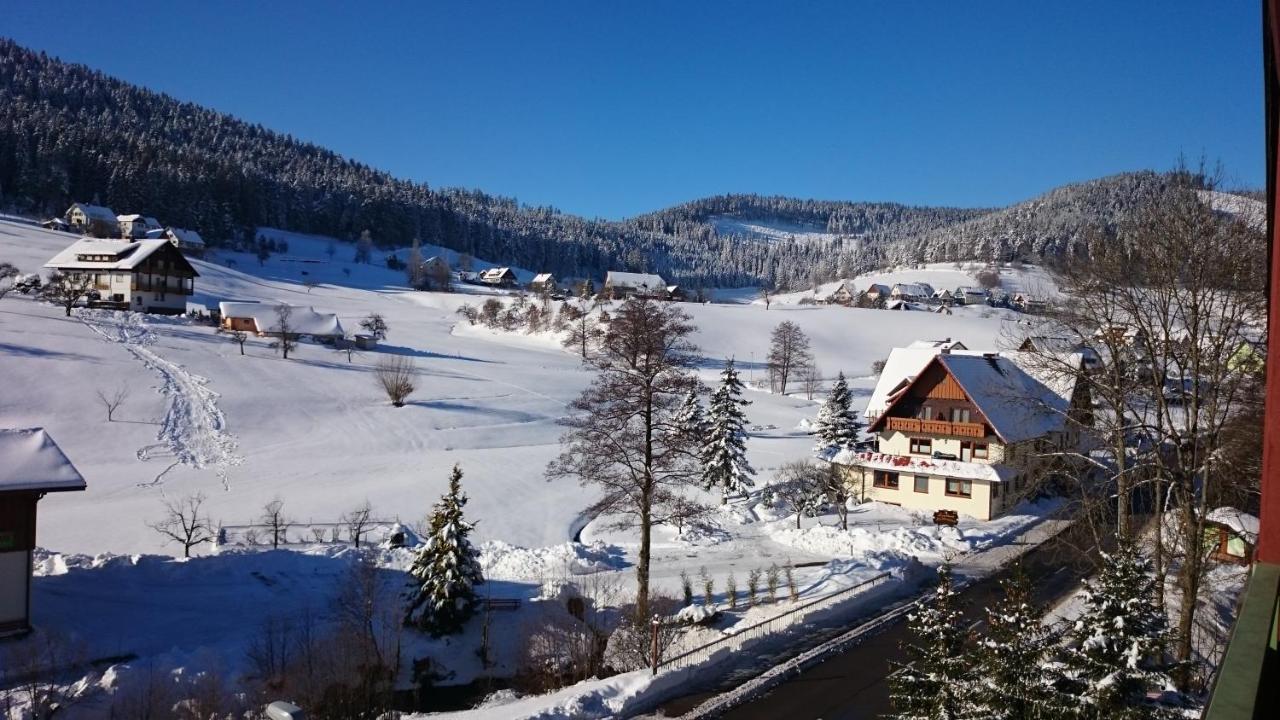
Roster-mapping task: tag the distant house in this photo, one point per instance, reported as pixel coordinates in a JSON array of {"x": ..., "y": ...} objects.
[
  {"x": 911, "y": 292},
  {"x": 943, "y": 345},
  {"x": 499, "y": 277},
  {"x": 136, "y": 226},
  {"x": 31, "y": 465},
  {"x": 843, "y": 295},
  {"x": 876, "y": 292},
  {"x": 944, "y": 296},
  {"x": 143, "y": 275},
  {"x": 943, "y": 309},
  {"x": 1030, "y": 303},
  {"x": 674, "y": 293},
  {"x": 544, "y": 283},
  {"x": 94, "y": 220},
  {"x": 897, "y": 305},
  {"x": 264, "y": 319},
  {"x": 188, "y": 241},
  {"x": 1052, "y": 344},
  {"x": 55, "y": 224},
  {"x": 620, "y": 285},
  {"x": 1230, "y": 535},
  {"x": 967, "y": 295}
]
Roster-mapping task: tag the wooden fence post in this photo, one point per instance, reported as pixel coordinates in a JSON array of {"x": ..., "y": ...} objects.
[{"x": 654, "y": 626}]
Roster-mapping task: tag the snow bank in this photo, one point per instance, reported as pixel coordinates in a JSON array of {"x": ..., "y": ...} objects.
[{"x": 503, "y": 561}]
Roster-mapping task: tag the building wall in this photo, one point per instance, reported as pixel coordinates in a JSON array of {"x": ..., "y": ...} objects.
[
  {"x": 895, "y": 442},
  {"x": 979, "y": 505},
  {"x": 15, "y": 593}
]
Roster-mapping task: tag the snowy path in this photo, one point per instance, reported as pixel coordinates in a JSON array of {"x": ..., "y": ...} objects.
[{"x": 193, "y": 431}]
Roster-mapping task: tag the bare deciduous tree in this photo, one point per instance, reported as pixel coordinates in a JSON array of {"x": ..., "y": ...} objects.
[
  {"x": 239, "y": 337},
  {"x": 357, "y": 522},
  {"x": 395, "y": 375},
  {"x": 788, "y": 355},
  {"x": 112, "y": 399},
  {"x": 799, "y": 484},
  {"x": 811, "y": 380},
  {"x": 584, "y": 331},
  {"x": 286, "y": 333},
  {"x": 277, "y": 524},
  {"x": 184, "y": 523},
  {"x": 623, "y": 436},
  {"x": 66, "y": 289}
]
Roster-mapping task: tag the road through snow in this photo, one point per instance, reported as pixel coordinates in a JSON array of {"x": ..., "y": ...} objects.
[{"x": 194, "y": 430}]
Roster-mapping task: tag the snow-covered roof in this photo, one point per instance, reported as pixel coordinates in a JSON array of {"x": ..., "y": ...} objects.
[
  {"x": 303, "y": 321},
  {"x": 1240, "y": 522},
  {"x": 1022, "y": 395},
  {"x": 31, "y": 460},
  {"x": 495, "y": 273},
  {"x": 130, "y": 218},
  {"x": 646, "y": 281},
  {"x": 126, "y": 254},
  {"x": 877, "y": 289},
  {"x": 186, "y": 237},
  {"x": 922, "y": 465},
  {"x": 97, "y": 212},
  {"x": 543, "y": 277},
  {"x": 914, "y": 289},
  {"x": 944, "y": 344},
  {"x": 970, "y": 290}
]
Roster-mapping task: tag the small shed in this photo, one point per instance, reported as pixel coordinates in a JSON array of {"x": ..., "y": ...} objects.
[
  {"x": 366, "y": 342},
  {"x": 31, "y": 465},
  {"x": 1230, "y": 535}
]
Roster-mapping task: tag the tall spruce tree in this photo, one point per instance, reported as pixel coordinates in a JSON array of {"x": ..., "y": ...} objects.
[
  {"x": 936, "y": 685},
  {"x": 724, "y": 451},
  {"x": 446, "y": 570},
  {"x": 837, "y": 425},
  {"x": 1012, "y": 681},
  {"x": 690, "y": 420},
  {"x": 1115, "y": 652}
]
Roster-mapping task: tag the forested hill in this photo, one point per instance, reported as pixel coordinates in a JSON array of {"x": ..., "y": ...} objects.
[{"x": 69, "y": 133}]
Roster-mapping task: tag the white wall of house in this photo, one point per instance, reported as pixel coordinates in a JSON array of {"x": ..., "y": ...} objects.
[
  {"x": 894, "y": 442},
  {"x": 978, "y": 505}
]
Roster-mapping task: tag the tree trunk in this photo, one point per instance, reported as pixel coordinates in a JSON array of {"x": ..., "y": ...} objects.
[{"x": 642, "y": 564}]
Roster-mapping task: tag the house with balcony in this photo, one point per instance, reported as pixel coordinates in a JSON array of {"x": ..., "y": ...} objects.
[
  {"x": 144, "y": 275},
  {"x": 94, "y": 220},
  {"x": 961, "y": 431}
]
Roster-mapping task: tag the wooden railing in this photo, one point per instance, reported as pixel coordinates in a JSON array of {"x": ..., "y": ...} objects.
[{"x": 937, "y": 427}]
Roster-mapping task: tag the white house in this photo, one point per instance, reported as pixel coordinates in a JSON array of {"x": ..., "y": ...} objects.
[
  {"x": 970, "y": 295},
  {"x": 93, "y": 220},
  {"x": 619, "y": 285},
  {"x": 264, "y": 319},
  {"x": 842, "y": 295},
  {"x": 188, "y": 241},
  {"x": 544, "y": 283},
  {"x": 967, "y": 432},
  {"x": 144, "y": 275},
  {"x": 911, "y": 292},
  {"x": 31, "y": 465},
  {"x": 876, "y": 291},
  {"x": 499, "y": 277},
  {"x": 136, "y": 226}
]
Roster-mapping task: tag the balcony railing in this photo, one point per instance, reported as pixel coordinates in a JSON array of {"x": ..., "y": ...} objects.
[{"x": 937, "y": 427}]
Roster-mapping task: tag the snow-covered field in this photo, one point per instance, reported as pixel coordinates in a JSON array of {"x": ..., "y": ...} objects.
[{"x": 315, "y": 432}]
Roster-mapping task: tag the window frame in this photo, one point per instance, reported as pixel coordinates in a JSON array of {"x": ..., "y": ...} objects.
[
  {"x": 959, "y": 492},
  {"x": 915, "y": 443},
  {"x": 916, "y": 484},
  {"x": 887, "y": 484}
]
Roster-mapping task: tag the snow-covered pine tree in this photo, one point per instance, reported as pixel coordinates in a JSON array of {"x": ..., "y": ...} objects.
[
  {"x": 1012, "y": 682},
  {"x": 446, "y": 570},
  {"x": 937, "y": 684},
  {"x": 837, "y": 425},
  {"x": 1115, "y": 649},
  {"x": 724, "y": 450},
  {"x": 690, "y": 421}
]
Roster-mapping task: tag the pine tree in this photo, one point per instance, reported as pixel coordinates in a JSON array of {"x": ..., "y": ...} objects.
[
  {"x": 936, "y": 684},
  {"x": 1012, "y": 680},
  {"x": 446, "y": 569},
  {"x": 724, "y": 451},
  {"x": 690, "y": 421},
  {"x": 1115, "y": 649},
  {"x": 837, "y": 425}
]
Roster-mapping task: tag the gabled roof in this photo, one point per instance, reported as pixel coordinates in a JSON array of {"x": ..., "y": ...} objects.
[
  {"x": 130, "y": 218},
  {"x": 497, "y": 272},
  {"x": 1239, "y": 521},
  {"x": 303, "y": 321},
  {"x": 185, "y": 236},
  {"x": 125, "y": 254},
  {"x": 31, "y": 460},
  {"x": 970, "y": 290},
  {"x": 97, "y": 212},
  {"x": 877, "y": 288},
  {"x": 914, "y": 289},
  {"x": 647, "y": 281},
  {"x": 944, "y": 344},
  {"x": 1017, "y": 405},
  {"x": 543, "y": 277}
]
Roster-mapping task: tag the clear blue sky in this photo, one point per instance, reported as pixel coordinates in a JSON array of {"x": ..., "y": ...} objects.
[{"x": 615, "y": 108}]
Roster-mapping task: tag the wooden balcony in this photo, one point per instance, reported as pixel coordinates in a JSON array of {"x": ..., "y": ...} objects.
[{"x": 936, "y": 427}]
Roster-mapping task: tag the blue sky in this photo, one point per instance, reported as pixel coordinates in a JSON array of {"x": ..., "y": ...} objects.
[{"x": 615, "y": 108}]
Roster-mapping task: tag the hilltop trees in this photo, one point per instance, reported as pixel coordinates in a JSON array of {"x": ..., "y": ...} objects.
[
  {"x": 446, "y": 569},
  {"x": 724, "y": 451},
  {"x": 837, "y": 425},
  {"x": 623, "y": 437}
]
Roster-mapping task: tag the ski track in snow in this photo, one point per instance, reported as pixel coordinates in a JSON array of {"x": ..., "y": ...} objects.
[{"x": 193, "y": 431}]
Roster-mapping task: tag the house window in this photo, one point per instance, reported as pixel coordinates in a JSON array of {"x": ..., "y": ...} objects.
[
  {"x": 980, "y": 451},
  {"x": 959, "y": 488},
  {"x": 922, "y": 483},
  {"x": 926, "y": 413},
  {"x": 885, "y": 479},
  {"x": 921, "y": 446},
  {"x": 960, "y": 415}
]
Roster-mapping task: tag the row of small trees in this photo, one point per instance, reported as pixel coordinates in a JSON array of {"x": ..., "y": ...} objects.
[{"x": 1101, "y": 666}]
